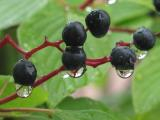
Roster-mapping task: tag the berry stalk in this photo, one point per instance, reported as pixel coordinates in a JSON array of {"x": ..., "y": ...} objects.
[
  {"x": 85, "y": 4},
  {"x": 28, "y": 54},
  {"x": 36, "y": 84},
  {"x": 50, "y": 112}
]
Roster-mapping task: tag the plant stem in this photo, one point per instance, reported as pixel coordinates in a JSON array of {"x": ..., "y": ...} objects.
[
  {"x": 48, "y": 111},
  {"x": 37, "y": 83},
  {"x": 28, "y": 54},
  {"x": 96, "y": 62},
  {"x": 85, "y": 4}
]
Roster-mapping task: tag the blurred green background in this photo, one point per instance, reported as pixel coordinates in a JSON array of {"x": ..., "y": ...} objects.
[{"x": 29, "y": 21}]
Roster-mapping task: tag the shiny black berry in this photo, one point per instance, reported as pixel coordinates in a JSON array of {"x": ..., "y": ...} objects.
[
  {"x": 24, "y": 73},
  {"x": 73, "y": 58},
  {"x": 157, "y": 4},
  {"x": 123, "y": 58},
  {"x": 144, "y": 39},
  {"x": 98, "y": 22},
  {"x": 74, "y": 34}
]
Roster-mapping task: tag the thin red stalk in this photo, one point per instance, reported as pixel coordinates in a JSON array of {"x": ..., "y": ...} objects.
[
  {"x": 9, "y": 40},
  {"x": 27, "y": 55},
  {"x": 85, "y": 4},
  {"x": 96, "y": 62},
  {"x": 129, "y": 31},
  {"x": 126, "y": 30},
  {"x": 36, "y": 84},
  {"x": 45, "y": 44},
  {"x": 121, "y": 43}
]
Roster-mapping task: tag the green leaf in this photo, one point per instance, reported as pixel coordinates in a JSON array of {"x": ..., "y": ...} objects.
[
  {"x": 145, "y": 86},
  {"x": 84, "y": 115},
  {"x": 119, "y": 11},
  {"x": 70, "y": 103},
  {"x": 34, "y": 100},
  {"x": 13, "y": 12},
  {"x": 145, "y": 3}
]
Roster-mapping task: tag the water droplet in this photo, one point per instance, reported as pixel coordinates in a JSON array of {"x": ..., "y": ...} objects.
[
  {"x": 110, "y": 2},
  {"x": 125, "y": 73},
  {"x": 141, "y": 54},
  {"x": 23, "y": 91},
  {"x": 77, "y": 73}
]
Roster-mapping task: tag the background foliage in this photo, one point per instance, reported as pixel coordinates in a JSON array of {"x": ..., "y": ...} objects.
[{"x": 29, "y": 21}]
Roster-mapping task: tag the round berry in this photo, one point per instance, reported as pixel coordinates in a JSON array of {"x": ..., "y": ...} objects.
[
  {"x": 24, "y": 73},
  {"x": 144, "y": 39},
  {"x": 73, "y": 58},
  {"x": 157, "y": 4},
  {"x": 74, "y": 34},
  {"x": 123, "y": 58},
  {"x": 98, "y": 22}
]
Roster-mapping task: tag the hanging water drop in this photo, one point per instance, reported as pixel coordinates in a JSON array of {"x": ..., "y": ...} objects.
[
  {"x": 77, "y": 73},
  {"x": 110, "y": 2},
  {"x": 125, "y": 73},
  {"x": 141, "y": 54},
  {"x": 23, "y": 91}
]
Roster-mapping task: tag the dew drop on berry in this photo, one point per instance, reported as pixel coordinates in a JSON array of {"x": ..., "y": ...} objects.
[
  {"x": 77, "y": 73},
  {"x": 110, "y": 2},
  {"x": 23, "y": 91},
  {"x": 125, "y": 73}
]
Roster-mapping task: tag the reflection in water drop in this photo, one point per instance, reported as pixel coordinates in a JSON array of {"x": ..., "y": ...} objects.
[
  {"x": 125, "y": 73},
  {"x": 23, "y": 91},
  {"x": 77, "y": 73},
  {"x": 111, "y": 1},
  {"x": 141, "y": 54}
]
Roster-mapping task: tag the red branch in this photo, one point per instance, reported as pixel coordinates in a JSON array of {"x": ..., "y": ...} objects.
[
  {"x": 126, "y": 30},
  {"x": 8, "y": 40},
  {"x": 37, "y": 83},
  {"x": 28, "y": 54},
  {"x": 121, "y": 43},
  {"x": 96, "y": 62},
  {"x": 129, "y": 31},
  {"x": 85, "y": 4}
]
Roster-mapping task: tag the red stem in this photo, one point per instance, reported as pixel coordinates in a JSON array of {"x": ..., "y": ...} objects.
[
  {"x": 96, "y": 62},
  {"x": 37, "y": 83},
  {"x": 126, "y": 30},
  {"x": 85, "y": 4},
  {"x": 9, "y": 40},
  {"x": 28, "y": 54},
  {"x": 121, "y": 43}
]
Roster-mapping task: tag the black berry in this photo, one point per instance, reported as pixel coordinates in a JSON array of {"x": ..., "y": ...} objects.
[
  {"x": 24, "y": 73},
  {"x": 123, "y": 58},
  {"x": 157, "y": 4},
  {"x": 73, "y": 58},
  {"x": 144, "y": 39},
  {"x": 98, "y": 22},
  {"x": 74, "y": 34}
]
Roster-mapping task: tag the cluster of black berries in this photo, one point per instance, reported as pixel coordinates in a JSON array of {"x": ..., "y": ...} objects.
[
  {"x": 75, "y": 35},
  {"x": 74, "y": 57},
  {"x": 124, "y": 58}
]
